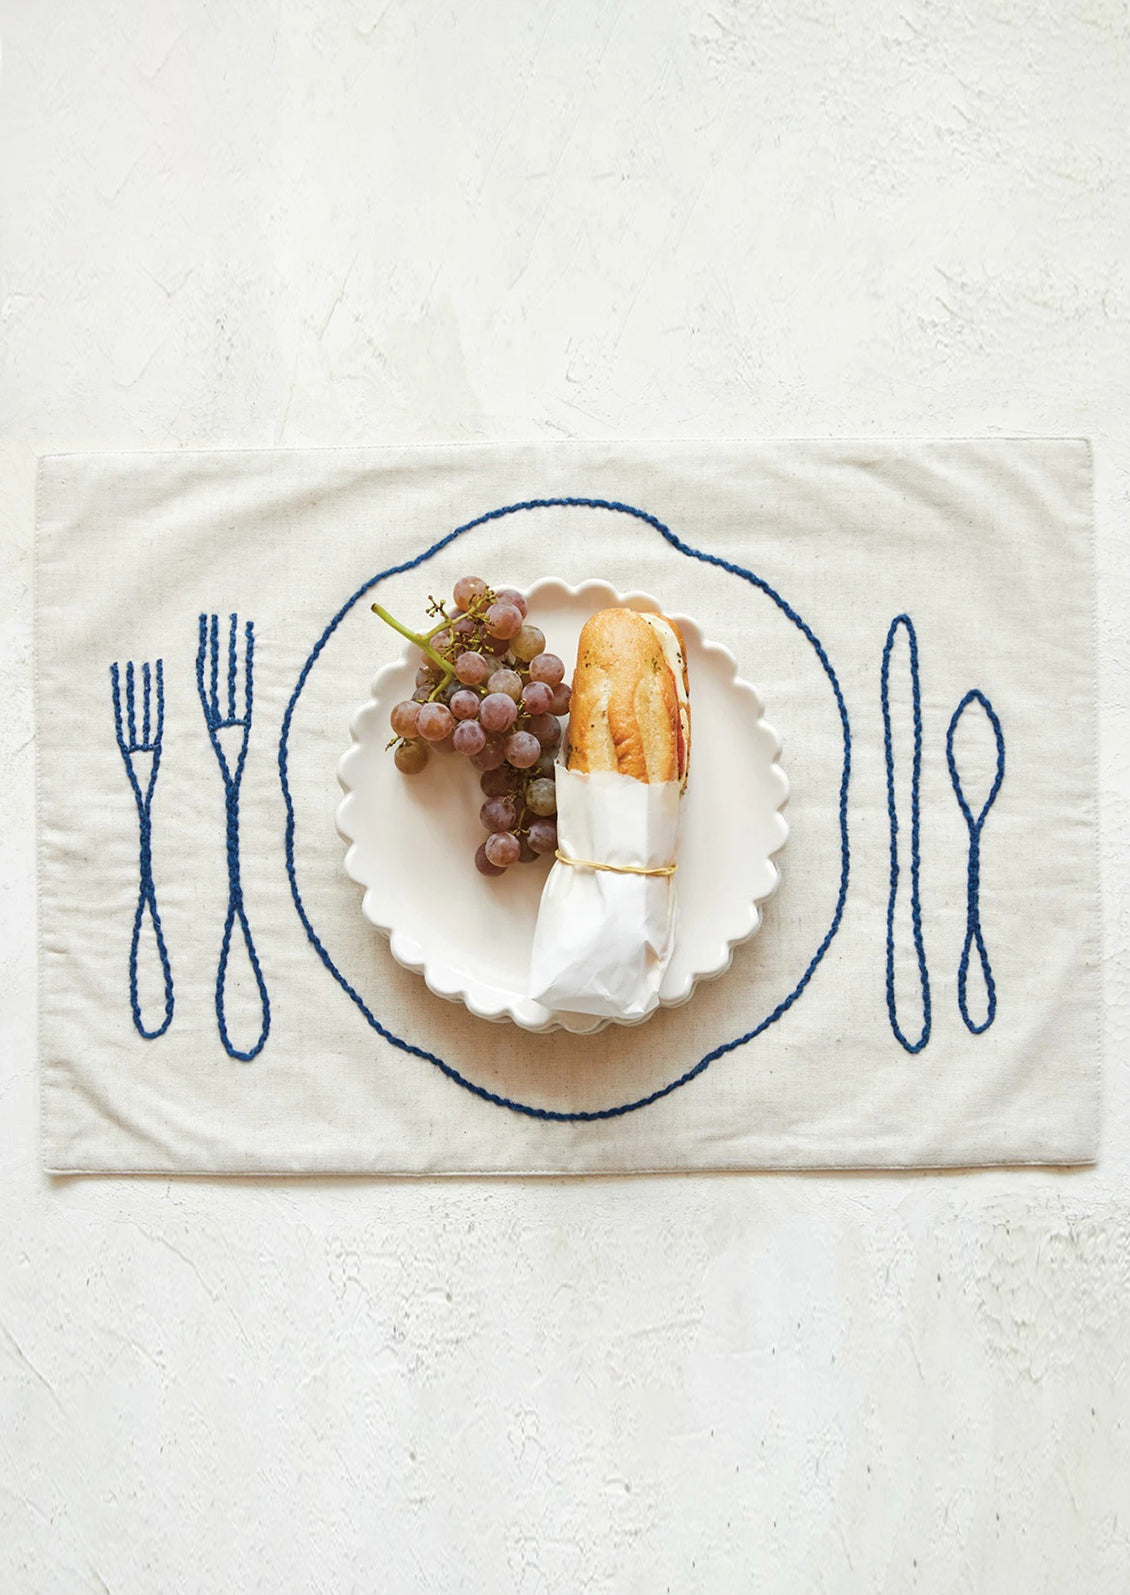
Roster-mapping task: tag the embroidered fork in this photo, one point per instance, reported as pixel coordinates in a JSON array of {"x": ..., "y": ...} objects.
[
  {"x": 227, "y": 715},
  {"x": 140, "y": 748}
]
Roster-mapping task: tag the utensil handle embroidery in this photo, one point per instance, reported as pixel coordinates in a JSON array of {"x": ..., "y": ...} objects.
[
  {"x": 147, "y": 902},
  {"x": 973, "y": 933},
  {"x": 238, "y": 915},
  {"x": 904, "y": 622}
]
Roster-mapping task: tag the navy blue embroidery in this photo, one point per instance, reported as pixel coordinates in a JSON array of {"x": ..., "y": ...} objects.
[
  {"x": 973, "y": 936},
  {"x": 136, "y": 753},
  {"x": 904, "y": 622},
  {"x": 845, "y": 857},
  {"x": 208, "y": 685}
]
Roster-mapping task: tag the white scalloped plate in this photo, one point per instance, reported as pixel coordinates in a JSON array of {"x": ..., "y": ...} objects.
[{"x": 412, "y": 839}]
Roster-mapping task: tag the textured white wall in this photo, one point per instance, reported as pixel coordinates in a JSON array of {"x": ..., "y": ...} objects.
[{"x": 393, "y": 219}]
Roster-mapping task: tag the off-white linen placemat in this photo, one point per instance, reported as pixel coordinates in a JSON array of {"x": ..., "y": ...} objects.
[{"x": 984, "y": 547}]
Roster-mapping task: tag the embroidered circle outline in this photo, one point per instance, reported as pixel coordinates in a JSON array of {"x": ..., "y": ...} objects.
[{"x": 553, "y": 1114}]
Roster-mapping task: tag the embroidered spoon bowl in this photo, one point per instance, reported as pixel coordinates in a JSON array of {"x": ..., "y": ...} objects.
[{"x": 411, "y": 840}]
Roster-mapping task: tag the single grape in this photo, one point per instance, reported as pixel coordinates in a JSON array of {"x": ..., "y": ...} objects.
[
  {"x": 503, "y": 620},
  {"x": 404, "y": 717},
  {"x": 541, "y": 796},
  {"x": 469, "y": 737},
  {"x": 445, "y": 744},
  {"x": 463, "y": 627},
  {"x": 493, "y": 645},
  {"x": 502, "y": 848},
  {"x": 472, "y": 669},
  {"x": 410, "y": 757},
  {"x": 528, "y": 642},
  {"x": 522, "y": 750},
  {"x": 497, "y": 783},
  {"x": 507, "y": 681},
  {"x": 547, "y": 729},
  {"x": 542, "y": 835},
  {"x": 498, "y": 712},
  {"x": 467, "y": 589},
  {"x": 511, "y": 595},
  {"x": 499, "y": 814},
  {"x": 483, "y": 863},
  {"x": 427, "y": 675},
  {"x": 441, "y": 642},
  {"x": 527, "y": 855},
  {"x": 547, "y": 668},
  {"x": 421, "y": 695},
  {"x": 537, "y": 697},
  {"x": 561, "y": 696},
  {"x": 491, "y": 756},
  {"x": 464, "y": 704},
  {"x": 547, "y": 764},
  {"x": 435, "y": 721}
]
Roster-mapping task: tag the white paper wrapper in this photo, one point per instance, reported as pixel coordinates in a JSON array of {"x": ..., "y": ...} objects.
[{"x": 602, "y": 940}]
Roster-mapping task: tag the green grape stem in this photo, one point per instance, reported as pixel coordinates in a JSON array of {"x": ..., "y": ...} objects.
[{"x": 421, "y": 642}]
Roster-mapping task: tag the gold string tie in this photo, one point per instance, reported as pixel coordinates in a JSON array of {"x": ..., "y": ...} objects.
[{"x": 616, "y": 869}]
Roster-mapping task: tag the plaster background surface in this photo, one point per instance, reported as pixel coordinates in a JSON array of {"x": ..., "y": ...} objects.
[{"x": 392, "y": 220}]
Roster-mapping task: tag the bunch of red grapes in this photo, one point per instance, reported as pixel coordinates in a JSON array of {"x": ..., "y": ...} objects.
[{"x": 487, "y": 689}]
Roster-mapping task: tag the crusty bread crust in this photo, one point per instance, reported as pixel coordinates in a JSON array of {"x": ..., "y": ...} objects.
[{"x": 624, "y": 713}]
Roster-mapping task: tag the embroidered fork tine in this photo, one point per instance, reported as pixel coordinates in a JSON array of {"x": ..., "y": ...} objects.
[
  {"x": 135, "y": 752},
  {"x": 238, "y": 706}
]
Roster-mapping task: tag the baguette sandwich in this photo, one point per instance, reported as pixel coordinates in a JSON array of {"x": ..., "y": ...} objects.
[{"x": 630, "y": 709}]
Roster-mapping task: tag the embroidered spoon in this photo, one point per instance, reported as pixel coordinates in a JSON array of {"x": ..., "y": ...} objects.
[{"x": 973, "y": 934}]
